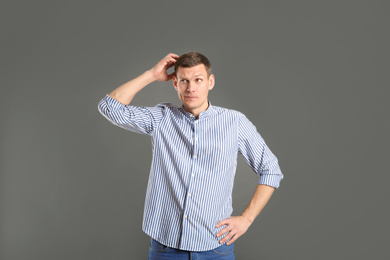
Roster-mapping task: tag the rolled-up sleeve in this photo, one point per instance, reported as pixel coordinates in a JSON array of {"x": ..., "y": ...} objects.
[
  {"x": 137, "y": 119},
  {"x": 257, "y": 154}
]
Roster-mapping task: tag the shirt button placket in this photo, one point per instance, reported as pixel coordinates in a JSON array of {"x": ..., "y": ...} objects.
[
  {"x": 194, "y": 162},
  {"x": 195, "y": 145}
]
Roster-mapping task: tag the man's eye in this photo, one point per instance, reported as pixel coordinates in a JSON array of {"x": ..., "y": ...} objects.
[
  {"x": 184, "y": 80},
  {"x": 198, "y": 80}
]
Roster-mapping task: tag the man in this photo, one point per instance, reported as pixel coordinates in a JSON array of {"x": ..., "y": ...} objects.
[{"x": 195, "y": 147}]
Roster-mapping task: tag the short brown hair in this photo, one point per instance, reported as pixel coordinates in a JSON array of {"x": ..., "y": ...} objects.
[{"x": 192, "y": 59}]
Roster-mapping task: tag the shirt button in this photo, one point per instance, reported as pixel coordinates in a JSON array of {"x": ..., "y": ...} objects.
[
  {"x": 189, "y": 194},
  {"x": 196, "y": 121},
  {"x": 193, "y": 175},
  {"x": 196, "y": 138},
  {"x": 185, "y": 216},
  {"x": 195, "y": 156}
]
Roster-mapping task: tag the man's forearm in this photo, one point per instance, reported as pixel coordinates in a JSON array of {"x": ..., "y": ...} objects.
[
  {"x": 126, "y": 92},
  {"x": 260, "y": 198}
]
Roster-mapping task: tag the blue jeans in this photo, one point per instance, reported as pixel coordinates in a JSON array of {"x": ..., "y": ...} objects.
[{"x": 158, "y": 251}]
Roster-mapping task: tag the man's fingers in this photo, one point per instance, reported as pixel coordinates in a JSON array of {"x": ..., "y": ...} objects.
[
  {"x": 170, "y": 76},
  {"x": 169, "y": 63},
  {"x": 234, "y": 238},
  {"x": 160, "y": 69},
  {"x": 221, "y": 223},
  {"x": 223, "y": 231},
  {"x": 235, "y": 228},
  {"x": 228, "y": 238},
  {"x": 171, "y": 58},
  {"x": 173, "y": 55}
]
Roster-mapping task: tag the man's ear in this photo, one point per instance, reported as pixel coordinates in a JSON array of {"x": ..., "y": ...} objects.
[
  {"x": 174, "y": 81},
  {"x": 211, "y": 81}
]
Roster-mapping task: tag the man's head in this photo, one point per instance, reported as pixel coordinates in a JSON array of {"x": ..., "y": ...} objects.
[
  {"x": 192, "y": 81},
  {"x": 192, "y": 59}
]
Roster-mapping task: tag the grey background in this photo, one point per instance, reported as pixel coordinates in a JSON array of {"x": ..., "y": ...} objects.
[{"x": 311, "y": 75}]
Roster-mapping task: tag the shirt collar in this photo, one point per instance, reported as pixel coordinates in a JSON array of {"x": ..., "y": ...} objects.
[{"x": 207, "y": 113}]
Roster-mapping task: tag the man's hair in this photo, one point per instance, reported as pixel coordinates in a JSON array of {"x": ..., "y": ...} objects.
[{"x": 192, "y": 59}]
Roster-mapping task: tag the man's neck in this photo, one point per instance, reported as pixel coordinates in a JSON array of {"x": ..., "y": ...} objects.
[{"x": 197, "y": 112}]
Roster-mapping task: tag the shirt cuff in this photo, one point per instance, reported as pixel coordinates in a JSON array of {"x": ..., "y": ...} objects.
[
  {"x": 113, "y": 103},
  {"x": 270, "y": 180}
]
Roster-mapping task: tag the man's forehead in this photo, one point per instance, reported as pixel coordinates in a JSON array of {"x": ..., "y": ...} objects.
[
  {"x": 195, "y": 71},
  {"x": 190, "y": 75}
]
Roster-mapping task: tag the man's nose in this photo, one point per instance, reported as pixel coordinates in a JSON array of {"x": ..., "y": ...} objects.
[{"x": 190, "y": 87}]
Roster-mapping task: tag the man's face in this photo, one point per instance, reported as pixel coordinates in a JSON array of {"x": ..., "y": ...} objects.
[{"x": 192, "y": 86}]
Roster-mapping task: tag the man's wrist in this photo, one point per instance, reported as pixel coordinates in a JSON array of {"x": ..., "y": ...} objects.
[
  {"x": 248, "y": 218},
  {"x": 149, "y": 76}
]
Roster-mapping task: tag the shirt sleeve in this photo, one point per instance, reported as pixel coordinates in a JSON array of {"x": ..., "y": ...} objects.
[
  {"x": 257, "y": 154},
  {"x": 141, "y": 120}
]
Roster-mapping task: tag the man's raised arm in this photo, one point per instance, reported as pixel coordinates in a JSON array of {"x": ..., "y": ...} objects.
[{"x": 126, "y": 92}]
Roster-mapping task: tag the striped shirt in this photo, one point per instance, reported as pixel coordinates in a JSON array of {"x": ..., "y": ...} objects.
[{"x": 193, "y": 167}]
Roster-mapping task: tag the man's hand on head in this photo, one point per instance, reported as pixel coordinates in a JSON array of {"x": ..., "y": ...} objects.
[
  {"x": 159, "y": 71},
  {"x": 235, "y": 227}
]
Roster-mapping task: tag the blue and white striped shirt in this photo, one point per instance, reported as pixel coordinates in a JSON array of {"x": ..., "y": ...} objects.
[{"x": 193, "y": 168}]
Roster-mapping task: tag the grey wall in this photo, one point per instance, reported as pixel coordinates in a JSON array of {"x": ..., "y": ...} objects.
[{"x": 311, "y": 75}]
